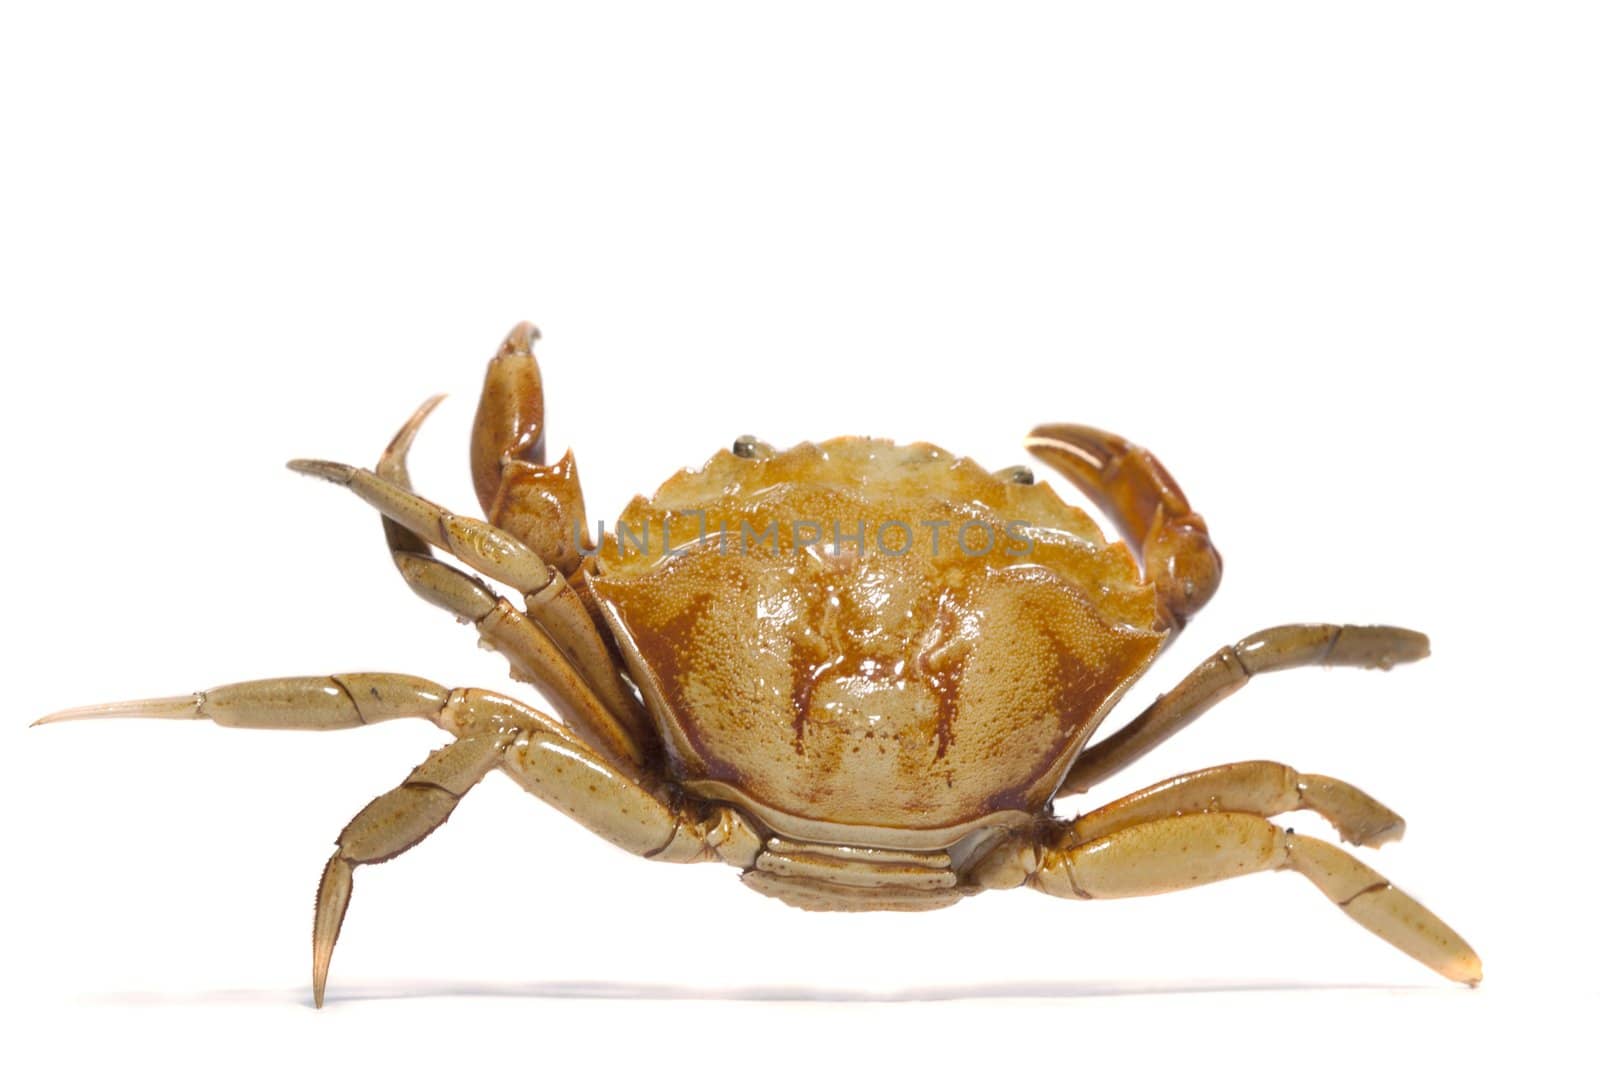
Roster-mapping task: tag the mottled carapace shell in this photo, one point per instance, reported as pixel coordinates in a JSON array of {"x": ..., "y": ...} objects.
[{"x": 810, "y": 652}]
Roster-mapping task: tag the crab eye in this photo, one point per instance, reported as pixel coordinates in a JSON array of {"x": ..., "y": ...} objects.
[
  {"x": 748, "y": 446},
  {"x": 1019, "y": 474}
]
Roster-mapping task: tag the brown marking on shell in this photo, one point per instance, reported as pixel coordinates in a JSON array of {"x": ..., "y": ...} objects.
[{"x": 842, "y": 683}]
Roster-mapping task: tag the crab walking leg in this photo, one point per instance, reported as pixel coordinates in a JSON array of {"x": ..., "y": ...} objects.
[
  {"x": 1168, "y": 854},
  {"x": 321, "y": 702},
  {"x": 390, "y": 825},
  {"x": 548, "y": 761},
  {"x": 533, "y": 656},
  {"x": 539, "y": 504},
  {"x": 1129, "y": 484},
  {"x": 493, "y": 732},
  {"x": 1258, "y": 787},
  {"x": 1226, "y": 671},
  {"x": 392, "y": 468},
  {"x": 551, "y": 602}
]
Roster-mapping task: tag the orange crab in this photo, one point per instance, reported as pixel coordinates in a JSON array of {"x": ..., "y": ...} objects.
[{"x": 857, "y": 671}]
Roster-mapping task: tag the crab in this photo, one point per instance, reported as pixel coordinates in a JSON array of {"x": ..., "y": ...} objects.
[{"x": 856, "y": 671}]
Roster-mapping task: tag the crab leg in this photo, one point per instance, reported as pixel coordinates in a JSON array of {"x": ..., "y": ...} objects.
[
  {"x": 392, "y": 468},
  {"x": 390, "y": 825},
  {"x": 533, "y": 656},
  {"x": 325, "y": 702},
  {"x": 1131, "y": 485},
  {"x": 491, "y": 551},
  {"x": 1228, "y": 669},
  {"x": 493, "y": 732},
  {"x": 1177, "y": 852},
  {"x": 1258, "y": 787}
]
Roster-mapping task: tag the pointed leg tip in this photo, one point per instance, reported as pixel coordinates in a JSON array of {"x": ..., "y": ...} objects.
[
  {"x": 392, "y": 463},
  {"x": 1468, "y": 970},
  {"x": 180, "y": 707},
  {"x": 1375, "y": 647},
  {"x": 93, "y": 711},
  {"x": 425, "y": 409},
  {"x": 1383, "y": 835},
  {"x": 1416, "y": 646},
  {"x": 333, "y": 897},
  {"x": 1402, "y": 646},
  {"x": 1377, "y": 838},
  {"x": 338, "y": 473},
  {"x": 319, "y": 977}
]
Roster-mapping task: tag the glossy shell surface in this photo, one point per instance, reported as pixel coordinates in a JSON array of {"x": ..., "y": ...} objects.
[{"x": 870, "y": 643}]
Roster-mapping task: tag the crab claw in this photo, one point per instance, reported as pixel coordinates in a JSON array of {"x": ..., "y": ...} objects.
[
  {"x": 509, "y": 424},
  {"x": 1135, "y": 490},
  {"x": 538, "y": 503}
]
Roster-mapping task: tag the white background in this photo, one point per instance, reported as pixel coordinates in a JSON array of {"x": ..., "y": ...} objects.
[{"x": 1336, "y": 265}]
